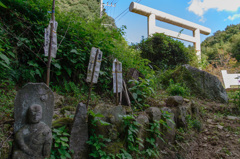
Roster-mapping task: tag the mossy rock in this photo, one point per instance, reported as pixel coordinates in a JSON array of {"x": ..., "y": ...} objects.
[
  {"x": 55, "y": 116},
  {"x": 114, "y": 147},
  {"x": 62, "y": 122},
  {"x": 68, "y": 108},
  {"x": 200, "y": 83}
]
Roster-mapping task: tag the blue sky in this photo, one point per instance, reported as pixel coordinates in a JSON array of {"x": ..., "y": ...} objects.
[{"x": 214, "y": 14}]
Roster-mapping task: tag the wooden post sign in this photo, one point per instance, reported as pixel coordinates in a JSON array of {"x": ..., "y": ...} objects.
[
  {"x": 94, "y": 65},
  {"x": 117, "y": 78},
  {"x": 50, "y": 44},
  {"x": 93, "y": 69},
  {"x": 54, "y": 39}
]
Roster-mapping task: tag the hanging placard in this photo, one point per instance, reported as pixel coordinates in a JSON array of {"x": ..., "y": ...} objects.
[
  {"x": 54, "y": 40},
  {"x": 117, "y": 68},
  {"x": 91, "y": 65}
]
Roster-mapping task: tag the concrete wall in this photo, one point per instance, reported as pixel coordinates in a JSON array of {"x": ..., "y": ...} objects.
[{"x": 230, "y": 79}]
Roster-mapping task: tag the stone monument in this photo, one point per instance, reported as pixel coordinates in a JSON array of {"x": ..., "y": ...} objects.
[
  {"x": 33, "y": 111},
  {"x": 79, "y": 133}
]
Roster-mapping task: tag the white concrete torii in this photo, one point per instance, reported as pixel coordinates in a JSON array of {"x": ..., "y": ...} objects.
[{"x": 154, "y": 14}]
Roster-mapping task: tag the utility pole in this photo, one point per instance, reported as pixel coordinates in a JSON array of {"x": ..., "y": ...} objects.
[
  {"x": 50, "y": 44},
  {"x": 101, "y": 7}
]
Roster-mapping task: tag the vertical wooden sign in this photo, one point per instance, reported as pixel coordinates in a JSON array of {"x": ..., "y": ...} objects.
[
  {"x": 93, "y": 69},
  {"x": 117, "y": 78}
]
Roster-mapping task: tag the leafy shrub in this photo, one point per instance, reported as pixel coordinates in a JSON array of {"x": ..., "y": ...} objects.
[
  {"x": 236, "y": 99},
  {"x": 131, "y": 132},
  {"x": 23, "y": 23},
  {"x": 97, "y": 142},
  {"x": 177, "y": 89},
  {"x": 60, "y": 147},
  {"x": 6, "y": 99},
  {"x": 164, "y": 52},
  {"x": 141, "y": 89},
  {"x": 193, "y": 123}
]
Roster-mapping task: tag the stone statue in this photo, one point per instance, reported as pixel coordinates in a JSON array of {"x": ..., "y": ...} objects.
[{"x": 33, "y": 140}]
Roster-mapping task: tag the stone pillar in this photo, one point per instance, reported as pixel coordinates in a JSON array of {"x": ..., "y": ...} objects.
[
  {"x": 79, "y": 133},
  {"x": 151, "y": 24},
  {"x": 197, "y": 44}
]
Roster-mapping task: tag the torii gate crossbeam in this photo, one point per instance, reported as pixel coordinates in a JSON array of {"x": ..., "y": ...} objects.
[{"x": 154, "y": 14}]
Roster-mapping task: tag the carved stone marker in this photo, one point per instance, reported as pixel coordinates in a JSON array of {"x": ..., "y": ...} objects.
[
  {"x": 33, "y": 111},
  {"x": 79, "y": 133}
]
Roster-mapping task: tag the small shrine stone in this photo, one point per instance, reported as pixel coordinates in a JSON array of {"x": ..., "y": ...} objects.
[
  {"x": 33, "y": 111},
  {"x": 33, "y": 93},
  {"x": 33, "y": 141}
]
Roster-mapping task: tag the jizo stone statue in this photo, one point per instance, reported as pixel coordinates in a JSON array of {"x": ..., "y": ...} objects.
[
  {"x": 33, "y": 112},
  {"x": 33, "y": 141}
]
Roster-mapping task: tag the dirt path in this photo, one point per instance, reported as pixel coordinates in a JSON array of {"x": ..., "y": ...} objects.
[{"x": 220, "y": 135}]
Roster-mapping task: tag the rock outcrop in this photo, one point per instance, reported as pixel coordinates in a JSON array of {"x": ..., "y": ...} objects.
[{"x": 200, "y": 83}]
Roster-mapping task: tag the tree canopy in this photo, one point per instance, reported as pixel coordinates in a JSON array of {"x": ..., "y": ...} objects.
[{"x": 164, "y": 52}]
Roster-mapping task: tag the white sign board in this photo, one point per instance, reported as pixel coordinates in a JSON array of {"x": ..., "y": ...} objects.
[
  {"x": 117, "y": 69},
  {"x": 91, "y": 65},
  {"x": 47, "y": 39}
]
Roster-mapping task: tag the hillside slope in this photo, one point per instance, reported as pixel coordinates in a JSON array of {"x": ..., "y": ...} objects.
[
  {"x": 87, "y": 9},
  {"x": 222, "y": 43}
]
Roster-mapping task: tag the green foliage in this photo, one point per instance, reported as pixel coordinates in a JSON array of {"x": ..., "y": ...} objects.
[
  {"x": 87, "y": 9},
  {"x": 154, "y": 132},
  {"x": 236, "y": 99},
  {"x": 22, "y": 38},
  {"x": 179, "y": 135},
  {"x": 2, "y": 5},
  {"x": 7, "y": 96},
  {"x": 141, "y": 89},
  {"x": 131, "y": 135},
  {"x": 236, "y": 46},
  {"x": 193, "y": 123},
  {"x": 222, "y": 43},
  {"x": 6, "y": 99},
  {"x": 164, "y": 52},
  {"x": 222, "y": 36},
  {"x": 131, "y": 141},
  {"x": 60, "y": 147},
  {"x": 70, "y": 87},
  {"x": 97, "y": 142},
  {"x": 177, "y": 89},
  {"x": 6, "y": 55},
  {"x": 166, "y": 116},
  {"x": 97, "y": 118}
]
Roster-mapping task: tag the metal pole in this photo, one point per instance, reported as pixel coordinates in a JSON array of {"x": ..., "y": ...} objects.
[
  {"x": 50, "y": 45},
  {"x": 90, "y": 89}
]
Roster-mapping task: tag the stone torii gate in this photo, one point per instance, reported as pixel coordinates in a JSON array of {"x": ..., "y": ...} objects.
[{"x": 154, "y": 14}]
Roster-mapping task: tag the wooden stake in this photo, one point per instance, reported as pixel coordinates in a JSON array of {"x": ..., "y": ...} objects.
[
  {"x": 90, "y": 89},
  {"x": 120, "y": 100},
  {"x": 50, "y": 44},
  {"x": 126, "y": 93}
]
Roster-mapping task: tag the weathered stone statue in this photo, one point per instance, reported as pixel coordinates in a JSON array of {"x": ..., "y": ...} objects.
[
  {"x": 33, "y": 140},
  {"x": 33, "y": 112}
]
